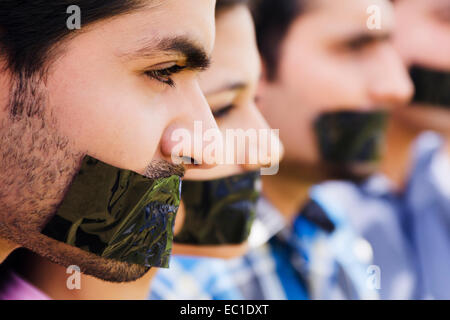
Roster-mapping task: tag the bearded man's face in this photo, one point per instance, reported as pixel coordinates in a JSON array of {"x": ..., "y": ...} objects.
[{"x": 116, "y": 92}]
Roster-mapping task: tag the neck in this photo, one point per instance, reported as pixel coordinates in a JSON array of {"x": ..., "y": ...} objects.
[
  {"x": 52, "y": 279},
  {"x": 6, "y": 247},
  {"x": 396, "y": 163},
  {"x": 288, "y": 190}
]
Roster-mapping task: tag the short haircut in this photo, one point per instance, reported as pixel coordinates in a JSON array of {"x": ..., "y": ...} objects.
[
  {"x": 30, "y": 30},
  {"x": 273, "y": 19}
]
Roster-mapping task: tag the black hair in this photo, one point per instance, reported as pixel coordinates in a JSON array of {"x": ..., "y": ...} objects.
[
  {"x": 222, "y": 5},
  {"x": 30, "y": 30},
  {"x": 273, "y": 19}
]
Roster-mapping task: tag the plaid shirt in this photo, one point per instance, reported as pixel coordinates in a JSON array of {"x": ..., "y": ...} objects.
[
  {"x": 194, "y": 278},
  {"x": 427, "y": 201},
  {"x": 306, "y": 261},
  {"x": 302, "y": 262}
]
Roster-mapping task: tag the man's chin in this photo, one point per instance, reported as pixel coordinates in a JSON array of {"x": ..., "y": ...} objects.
[
  {"x": 425, "y": 117},
  {"x": 67, "y": 255}
]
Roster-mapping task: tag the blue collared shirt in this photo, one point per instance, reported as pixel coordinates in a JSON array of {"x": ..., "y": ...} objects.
[
  {"x": 427, "y": 201},
  {"x": 376, "y": 213},
  {"x": 409, "y": 232}
]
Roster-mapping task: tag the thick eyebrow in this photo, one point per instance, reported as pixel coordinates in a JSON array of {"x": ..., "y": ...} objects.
[
  {"x": 195, "y": 56},
  {"x": 362, "y": 39},
  {"x": 229, "y": 87}
]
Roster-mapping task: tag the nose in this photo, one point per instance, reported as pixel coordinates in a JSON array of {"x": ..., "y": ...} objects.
[
  {"x": 264, "y": 151},
  {"x": 183, "y": 139},
  {"x": 390, "y": 84}
]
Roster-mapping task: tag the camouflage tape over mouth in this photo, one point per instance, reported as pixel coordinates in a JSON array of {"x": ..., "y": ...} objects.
[
  {"x": 219, "y": 212},
  {"x": 432, "y": 87},
  {"x": 348, "y": 137},
  {"x": 118, "y": 214}
]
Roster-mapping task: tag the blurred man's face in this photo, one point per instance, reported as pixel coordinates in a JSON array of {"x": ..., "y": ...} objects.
[
  {"x": 331, "y": 61},
  {"x": 118, "y": 91},
  {"x": 422, "y": 38},
  {"x": 229, "y": 86}
]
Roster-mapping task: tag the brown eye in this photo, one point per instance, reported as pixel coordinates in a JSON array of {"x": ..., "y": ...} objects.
[
  {"x": 358, "y": 44},
  {"x": 164, "y": 75},
  {"x": 222, "y": 112}
]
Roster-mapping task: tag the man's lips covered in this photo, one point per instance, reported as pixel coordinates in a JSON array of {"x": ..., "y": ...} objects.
[{"x": 119, "y": 214}]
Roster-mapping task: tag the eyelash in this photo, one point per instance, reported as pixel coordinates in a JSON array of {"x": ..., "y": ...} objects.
[
  {"x": 358, "y": 44},
  {"x": 164, "y": 75},
  {"x": 223, "y": 111}
]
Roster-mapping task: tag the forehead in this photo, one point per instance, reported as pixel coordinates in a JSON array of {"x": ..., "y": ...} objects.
[
  {"x": 235, "y": 56},
  {"x": 339, "y": 17},
  {"x": 193, "y": 19}
]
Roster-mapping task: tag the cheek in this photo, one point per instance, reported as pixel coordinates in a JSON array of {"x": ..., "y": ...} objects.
[
  {"x": 307, "y": 76},
  {"x": 294, "y": 120},
  {"x": 113, "y": 122},
  {"x": 435, "y": 49},
  {"x": 420, "y": 38},
  {"x": 300, "y": 142},
  {"x": 300, "y": 99}
]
